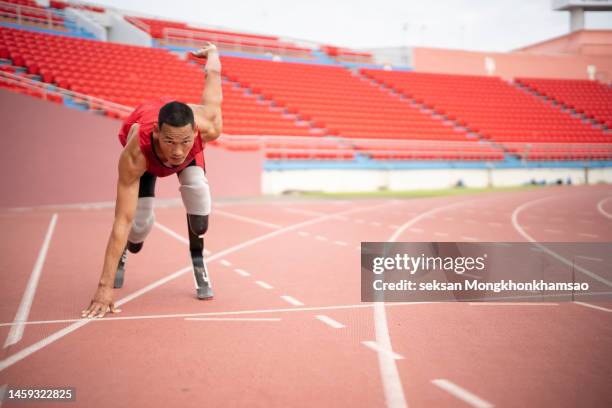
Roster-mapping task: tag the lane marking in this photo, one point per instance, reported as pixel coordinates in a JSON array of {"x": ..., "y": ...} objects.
[
  {"x": 247, "y": 219},
  {"x": 584, "y": 234},
  {"x": 225, "y": 262},
  {"x": 235, "y": 319},
  {"x": 375, "y": 224},
  {"x": 441, "y": 234},
  {"x": 463, "y": 237},
  {"x": 242, "y": 272},
  {"x": 461, "y": 393},
  {"x": 320, "y": 238},
  {"x": 177, "y": 236},
  {"x": 264, "y": 284},
  {"x": 382, "y": 350},
  {"x": 16, "y": 332},
  {"x": 392, "y": 384},
  {"x": 25, "y": 352},
  {"x": 291, "y": 300},
  {"x": 605, "y": 309},
  {"x": 589, "y": 258},
  {"x": 330, "y": 322},
  {"x": 303, "y": 233},
  {"x": 341, "y": 243},
  {"x": 601, "y": 209},
  {"x": 550, "y": 252},
  {"x": 236, "y": 312}
]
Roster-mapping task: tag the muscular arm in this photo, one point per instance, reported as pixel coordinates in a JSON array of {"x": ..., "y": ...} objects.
[
  {"x": 208, "y": 114},
  {"x": 131, "y": 166}
]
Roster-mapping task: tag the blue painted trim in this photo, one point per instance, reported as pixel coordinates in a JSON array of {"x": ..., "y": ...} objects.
[{"x": 75, "y": 34}]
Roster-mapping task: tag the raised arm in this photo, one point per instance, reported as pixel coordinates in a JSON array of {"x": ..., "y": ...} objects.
[
  {"x": 208, "y": 114},
  {"x": 131, "y": 167}
]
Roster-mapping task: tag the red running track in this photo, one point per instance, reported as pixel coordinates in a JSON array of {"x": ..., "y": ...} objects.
[{"x": 286, "y": 327}]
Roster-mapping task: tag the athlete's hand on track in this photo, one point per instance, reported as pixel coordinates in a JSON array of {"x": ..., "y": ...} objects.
[
  {"x": 101, "y": 304},
  {"x": 204, "y": 51}
]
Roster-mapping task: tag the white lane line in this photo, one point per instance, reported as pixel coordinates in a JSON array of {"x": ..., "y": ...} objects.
[
  {"x": 225, "y": 262},
  {"x": 16, "y": 332},
  {"x": 291, "y": 300},
  {"x": 235, "y": 319},
  {"x": 247, "y": 219},
  {"x": 341, "y": 243},
  {"x": 242, "y": 272},
  {"x": 321, "y": 238},
  {"x": 521, "y": 230},
  {"x": 552, "y": 231},
  {"x": 589, "y": 258},
  {"x": 303, "y": 233},
  {"x": 176, "y": 235},
  {"x": 468, "y": 238},
  {"x": 382, "y": 350},
  {"x": 375, "y": 223},
  {"x": 584, "y": 234},
  {"x": 392, "y": 384},
  {"x": 512, "y": 304},
  {"x": 461, "y": 393},
  {"x": 601, "y": 209},
  {"x": 230, "y": 313},
  {"x": 605, "y": 309},
  {"x": 330, "y": 322},
  {"x": 494, "y": 224},
  {"x": 25, "y": 352},
  {"x": 264, "y": 284}
]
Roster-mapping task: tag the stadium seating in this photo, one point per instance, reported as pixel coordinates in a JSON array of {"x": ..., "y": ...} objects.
[
  {"x": 491, "y": 107},
  {"x": 27, "y": 12},
  {"x": 174, "y": 33},
  {"x": 128, "y": 75},
  {"x": 347, "y": 55},
  {"x": 336, "y": 100},
  {"x": 591, "y": 98},
  {"x": 496, "y": 110}
]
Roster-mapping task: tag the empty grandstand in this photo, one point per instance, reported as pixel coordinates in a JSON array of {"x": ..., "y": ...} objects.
[{"x": 307, "y": 105}]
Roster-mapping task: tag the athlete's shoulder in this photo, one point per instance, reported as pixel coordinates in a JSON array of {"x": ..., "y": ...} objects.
[{"x": 132, "y": 162}]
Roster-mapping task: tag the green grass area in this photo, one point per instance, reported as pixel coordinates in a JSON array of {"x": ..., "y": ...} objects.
[{"x": 416, "y": 193}]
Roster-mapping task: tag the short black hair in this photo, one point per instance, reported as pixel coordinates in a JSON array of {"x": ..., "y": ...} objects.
[{"x": 175, "y": 114}]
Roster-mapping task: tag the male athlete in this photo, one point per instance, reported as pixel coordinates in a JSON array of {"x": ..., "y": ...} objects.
[{"x": 160, "y": 138}]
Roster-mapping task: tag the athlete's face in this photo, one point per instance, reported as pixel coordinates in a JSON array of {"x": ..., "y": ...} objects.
[{"x": 175, "y": 142}]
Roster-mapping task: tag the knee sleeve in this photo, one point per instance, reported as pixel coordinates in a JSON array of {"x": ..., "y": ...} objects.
[
  {"x": 198, "y": 224},
  {"x": 194, "y": 190},
  {"x": 144, "y": 219}
]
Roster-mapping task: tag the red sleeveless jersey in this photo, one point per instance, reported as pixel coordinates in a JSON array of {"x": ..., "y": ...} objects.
[{"x": 146, "y": 116}]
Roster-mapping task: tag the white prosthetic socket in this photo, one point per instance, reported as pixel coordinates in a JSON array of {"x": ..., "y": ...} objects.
[{"x": 144, "y": 219}]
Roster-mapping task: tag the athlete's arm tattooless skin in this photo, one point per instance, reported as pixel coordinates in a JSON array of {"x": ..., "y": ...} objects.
[
  {"x": 208, "y": 115},
  {"x": 132, "y": 165}
]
